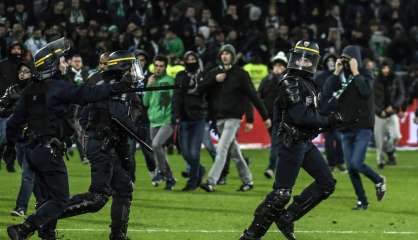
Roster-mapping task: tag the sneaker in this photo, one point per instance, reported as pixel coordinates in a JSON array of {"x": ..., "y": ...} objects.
[
  {"x": 381, "y": 166},
  {"x": 222, "y": 180},
  {"x": 18, "y": 212},
  {"x": 169, "y": 184},
  {"x": 246, "y": 187},
  {"x": 360, "y": 206},
  {"x": 156, "y": 180},
  {"x": 85, "y": 161},
  {"x": 381, "y": 189},
  {"x": 207, "y": 187},
  {"x": 269, "y": 173},
  {"x": 248, "y": 236}
]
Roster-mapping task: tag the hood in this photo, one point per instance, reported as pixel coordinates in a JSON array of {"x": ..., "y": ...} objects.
[
  {"x": 228, "y": 48},
  {"x": 353, "y": 51}
]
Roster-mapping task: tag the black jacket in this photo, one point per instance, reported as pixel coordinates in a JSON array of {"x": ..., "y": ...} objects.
[
  {"x": 8, "y": 73},
  {"x": 388, "y": 91},
  {"x": 188, "y": 103},
  {"x": 268, "y": 92},
  {"x": 356, "y": 103},
  {"x": 44, "y": 107},
  {"x": 229, "y": 99},
  {"x": 325, "y": 107}
]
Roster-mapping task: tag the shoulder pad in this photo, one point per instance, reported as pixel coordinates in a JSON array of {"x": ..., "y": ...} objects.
[{"x": 291, "y": 86}]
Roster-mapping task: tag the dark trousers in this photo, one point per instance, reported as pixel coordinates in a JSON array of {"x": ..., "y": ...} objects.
[
  {"x": 274, "y": 148},
  {"x": 110, "y": 175},
  {"x": 191, "y": 137},
  {"x": 143, "y": 132},
  {"x": 51, "y": 177},
  {"x": 355, "y": 144},
  {"x": 333, "y": 148},
  {"x": 301, "y": 155}
]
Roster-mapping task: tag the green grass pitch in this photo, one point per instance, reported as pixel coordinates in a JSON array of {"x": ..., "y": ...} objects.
[{"x": 157, "y": 214}]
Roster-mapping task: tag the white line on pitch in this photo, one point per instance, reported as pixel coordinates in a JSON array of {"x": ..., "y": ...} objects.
[{"x": 236, "y": 231}]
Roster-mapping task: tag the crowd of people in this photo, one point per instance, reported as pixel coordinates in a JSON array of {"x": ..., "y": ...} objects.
[{"x": 218, "y": 53}]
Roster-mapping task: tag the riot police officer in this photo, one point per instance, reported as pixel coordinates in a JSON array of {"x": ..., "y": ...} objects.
[
  {"x": 108, "y": 149},
  {"x": 42, "y": 108},
  {"x": 299, "y": 122}
]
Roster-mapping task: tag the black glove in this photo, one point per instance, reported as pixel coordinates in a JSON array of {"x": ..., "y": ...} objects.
[{"x": 335, "y": 119}]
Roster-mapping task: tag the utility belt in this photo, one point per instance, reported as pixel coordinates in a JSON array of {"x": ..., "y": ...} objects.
[
  {"x": 291, "y": 134},
  {"x": 57, "y": 147}
]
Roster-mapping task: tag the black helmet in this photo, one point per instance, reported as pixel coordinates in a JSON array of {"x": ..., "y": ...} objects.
[
  {"x": 47, "y": 58},
  {"x": 122, "y": 61},
  {"x": 304, "y": 56}
]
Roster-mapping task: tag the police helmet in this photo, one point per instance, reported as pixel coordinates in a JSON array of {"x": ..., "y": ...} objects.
[
  {"x": 304, "y": 57},
  {"x": 122, "y": 61},
  {"x": 47, "y": 58}
]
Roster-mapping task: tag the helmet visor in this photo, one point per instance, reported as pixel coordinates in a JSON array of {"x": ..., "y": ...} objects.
[
  {"x": 303, "y": 60},
  {"x": 137, "y": 73}
]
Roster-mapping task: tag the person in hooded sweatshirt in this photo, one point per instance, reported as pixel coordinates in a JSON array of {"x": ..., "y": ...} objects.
[
  {"x": 190, "y": 111},
  {"x": 228, "y": 86},
  {"x": 333, "y": 145},
  {"x": 389, "y": 95},
  {"x": 8, "y": 66},
  {"x": 352, "y": 88}
]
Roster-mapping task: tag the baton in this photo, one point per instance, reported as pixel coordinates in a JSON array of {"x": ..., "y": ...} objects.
[{"x": 133, "y": 135}]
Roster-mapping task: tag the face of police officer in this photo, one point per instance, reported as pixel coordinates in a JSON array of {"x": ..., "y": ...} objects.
[
  {"x": 226, "y": 58},
  {"x": 142, "y": 60},
  {"x": 278, "y": 69},
  {"x": 304, "y": 62},
  {"x": 159, "y": 68},
  {"x": 102, "y": 62},
  {"x": 24, "y": 73}
]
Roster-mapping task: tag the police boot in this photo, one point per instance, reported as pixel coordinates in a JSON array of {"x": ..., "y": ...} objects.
[
  {"x": 286, "y": 226},
  {"x": 119, "y": 233},
  {"x": 47, "y": 232},
  {"x": 21, "y": 231},
  {"x": 248, "y": 236}
]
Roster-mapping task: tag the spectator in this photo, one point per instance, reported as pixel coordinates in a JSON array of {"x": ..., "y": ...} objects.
[
  {"x": 56, "y": 15},
  {"x": 77, "y": 73},
  {"x": 76, "y": 15},
  {"x": 36, "y": 41},
  {"x": 22, "y": 15},
  {"x": 173, "y": 44},
  {"x": 138, "y": 40},
  {"x": 228, "y": 86},
  {"x": 353, "y": 88},
  {"x": 160, "y": 117},
  {"x": 190, "y": 111},
  {"x": 8, "y": 66},
  {"x": 256, "y": 69},
  {"x": 268, "y": 94},
  {"x": 389, "y": 94},
  {"x": 4, "y": 40}
]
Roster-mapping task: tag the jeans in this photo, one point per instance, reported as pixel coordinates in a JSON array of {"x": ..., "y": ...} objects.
[
  {"x": 355, "y": 144},
  {"x": 228, "y": 129},
  {"x": 28, "y": 179},
  {"x": 191, "y": 136}
]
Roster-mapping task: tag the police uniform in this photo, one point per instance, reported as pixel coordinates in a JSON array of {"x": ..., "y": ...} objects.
[
  {"x": 108, "y": 152},
  {"x": 43, "y": 107},
  {"x": 299, "y": 122}
]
